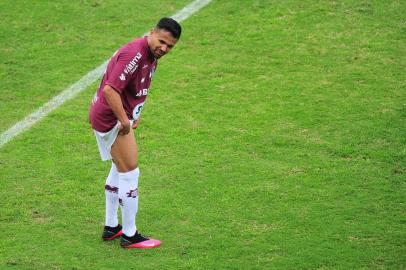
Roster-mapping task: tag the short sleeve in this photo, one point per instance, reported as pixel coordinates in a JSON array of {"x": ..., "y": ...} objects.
[{"x": 123, "y": 69}]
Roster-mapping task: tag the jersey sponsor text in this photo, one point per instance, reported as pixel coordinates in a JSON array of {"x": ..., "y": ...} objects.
[{"x": 133, "y": 65}]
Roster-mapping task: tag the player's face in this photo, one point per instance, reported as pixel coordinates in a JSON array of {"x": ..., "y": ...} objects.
[{"x": 160, "y": 42}]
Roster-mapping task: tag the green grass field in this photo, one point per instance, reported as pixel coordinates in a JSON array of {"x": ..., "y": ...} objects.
[{"x": 273, "y": 137}]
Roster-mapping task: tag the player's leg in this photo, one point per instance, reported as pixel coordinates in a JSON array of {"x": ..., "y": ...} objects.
[
  {"x": 125, "y": 155},
  {"x": 111, "y": 190},
  {"x": 112, "y": 229},
  {"x": 125, "y": 152}
]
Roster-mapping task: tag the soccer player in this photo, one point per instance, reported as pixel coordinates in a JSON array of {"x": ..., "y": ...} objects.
[{"x": 114, "y": 113}]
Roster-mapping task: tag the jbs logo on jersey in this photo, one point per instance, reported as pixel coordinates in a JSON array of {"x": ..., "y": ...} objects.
[
  {"x": 142, "y": 92},
  {"x": 133, "y": 65}
]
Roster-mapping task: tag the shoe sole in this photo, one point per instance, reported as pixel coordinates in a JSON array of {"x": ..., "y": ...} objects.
[{"x": 144, "y": 245}]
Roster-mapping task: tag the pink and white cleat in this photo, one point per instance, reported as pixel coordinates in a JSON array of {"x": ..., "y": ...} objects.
[{"x": 138, "y": 241}]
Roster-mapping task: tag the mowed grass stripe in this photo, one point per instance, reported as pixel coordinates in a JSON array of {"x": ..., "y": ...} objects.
[
  {"x": 80, "y": 85},
  {"x": 48, "y": 45}
]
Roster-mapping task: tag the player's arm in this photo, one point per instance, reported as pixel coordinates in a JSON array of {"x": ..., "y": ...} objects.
[{"x": 114, "y": 101}]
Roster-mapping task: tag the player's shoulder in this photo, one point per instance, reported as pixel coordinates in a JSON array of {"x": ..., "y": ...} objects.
[{"x": 136, "y": 46}]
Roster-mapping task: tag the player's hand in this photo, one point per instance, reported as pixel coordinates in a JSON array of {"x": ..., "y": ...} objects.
[
  {"x": 135, "y": 124},
  {"x": 124, "y": 128}
]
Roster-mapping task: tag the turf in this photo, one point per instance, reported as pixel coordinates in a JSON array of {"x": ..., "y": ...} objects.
[{"x": 273, "y": 137}]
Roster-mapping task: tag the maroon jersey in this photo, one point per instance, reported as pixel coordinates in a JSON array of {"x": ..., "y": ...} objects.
[{"x": 129, "y": 72}]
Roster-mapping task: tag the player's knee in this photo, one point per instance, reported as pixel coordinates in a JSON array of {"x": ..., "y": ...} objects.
[
  {"x": 126, "y": 166},
  {"x": 132, "y": 166}
]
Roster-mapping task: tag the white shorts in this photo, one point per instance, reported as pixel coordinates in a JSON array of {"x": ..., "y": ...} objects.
[{"x": 106, "y": 139}]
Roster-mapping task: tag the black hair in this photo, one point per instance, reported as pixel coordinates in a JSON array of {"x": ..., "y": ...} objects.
[{"x": 170, "y": 25}]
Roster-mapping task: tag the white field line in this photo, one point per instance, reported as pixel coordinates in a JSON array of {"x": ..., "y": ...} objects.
[{"x": 82, "y": 84}]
